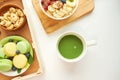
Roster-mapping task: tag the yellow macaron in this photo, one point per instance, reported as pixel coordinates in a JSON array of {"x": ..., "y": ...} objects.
[
  {"x": 10, "y": 49},
  {"x": 20, "y": 61}
]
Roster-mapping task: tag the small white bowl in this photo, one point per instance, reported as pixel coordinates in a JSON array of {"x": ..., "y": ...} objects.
[{"x": 52, "y": 17}]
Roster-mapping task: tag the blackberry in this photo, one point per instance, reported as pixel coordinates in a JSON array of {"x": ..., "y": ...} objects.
[
  {"x": 17, "y": 42},
  {"x": 14, "y": 68},
  {"x": 63, "y": 1},
  {"x": 17, "y": 52},
  {"x": 10, "y": 40},
  {"x": 27, "y": 55}
]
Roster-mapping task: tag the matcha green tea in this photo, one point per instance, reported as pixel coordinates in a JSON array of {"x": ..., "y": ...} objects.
[{"x": 70, "y": 46}]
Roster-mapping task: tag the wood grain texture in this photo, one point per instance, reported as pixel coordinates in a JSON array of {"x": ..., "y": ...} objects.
[
  {"x": 24, "y": 32},
  {"x": 50, "y": 25}
]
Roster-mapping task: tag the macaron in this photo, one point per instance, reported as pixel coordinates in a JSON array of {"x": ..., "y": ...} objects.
[
  {"x": 2, "y": 54},
  {"x": 23, "y": 47},
  {"x": 5, "y": 65},
  {"x": 20, "y": 61},
  {"x": 10, "y": 49}
]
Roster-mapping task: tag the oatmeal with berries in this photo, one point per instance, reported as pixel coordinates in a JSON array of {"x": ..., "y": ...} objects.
[{"x": 58, "y": 8}]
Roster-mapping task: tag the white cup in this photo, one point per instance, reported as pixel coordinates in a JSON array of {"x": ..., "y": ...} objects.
[{"x": 85, "y": 43}]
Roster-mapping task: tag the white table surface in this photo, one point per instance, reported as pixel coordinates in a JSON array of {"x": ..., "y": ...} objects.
[{"x": 102, "y": 62}]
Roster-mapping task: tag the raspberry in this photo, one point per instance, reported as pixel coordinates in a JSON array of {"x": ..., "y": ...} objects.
[
  {"x": 42, "y": 2},
  {"x": 45, "y": 8},
  {"x": 48, "y": 3}
]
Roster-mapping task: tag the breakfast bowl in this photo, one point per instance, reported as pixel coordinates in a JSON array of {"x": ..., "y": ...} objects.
[
  {"x": 16, "y": 55},
  {"x": 12, "y": 17},
  {"x": 59, "y": 9}
]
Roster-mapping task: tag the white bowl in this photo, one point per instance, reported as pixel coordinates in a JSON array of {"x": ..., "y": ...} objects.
[
  {"x": 52, "y": 17},
  {"x": 16, "y": 38}
]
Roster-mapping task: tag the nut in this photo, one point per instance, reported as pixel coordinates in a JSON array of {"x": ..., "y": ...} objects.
[
  {"x": 12, "y": 18},
  {"x": 57, "y": 4}
]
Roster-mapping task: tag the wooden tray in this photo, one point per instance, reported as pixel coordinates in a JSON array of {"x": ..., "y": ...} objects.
[
  {"x": 50, "y": 25},
  {"x": 35, "y": 68}
]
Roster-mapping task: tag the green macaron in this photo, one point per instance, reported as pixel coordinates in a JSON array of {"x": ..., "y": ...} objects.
[
  {"x": 5, "y": 65},
  {"x": 23, "y": 46}
]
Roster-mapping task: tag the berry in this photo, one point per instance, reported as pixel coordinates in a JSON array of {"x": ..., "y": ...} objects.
[
  {"x": 17, "y": 52},
  {"x": 48, "y": 3},
  {"x": 27, "y": 55},
  {"x": 42, "y": 2},
  {"x": 14, "y": 68},
  {"x": 45, "y": 8},
  {"x": 63, "y": 1},
  {"x": 17, "y": 42},
  {"x": 10, "y": 40},
  {"x": 11, "y": 58}
]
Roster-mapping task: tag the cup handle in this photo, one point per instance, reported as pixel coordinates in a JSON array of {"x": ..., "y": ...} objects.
[{"x": 91, "y": 43}]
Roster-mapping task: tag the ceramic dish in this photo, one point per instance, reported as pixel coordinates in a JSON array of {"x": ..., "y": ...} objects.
[
  {"x": 59, "y": 9},
  {"x": 12, "y": 17},
  {"x": 16, "y": 55}
]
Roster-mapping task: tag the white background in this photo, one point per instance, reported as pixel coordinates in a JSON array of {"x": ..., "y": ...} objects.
[{"x": 102, "y": 62}]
